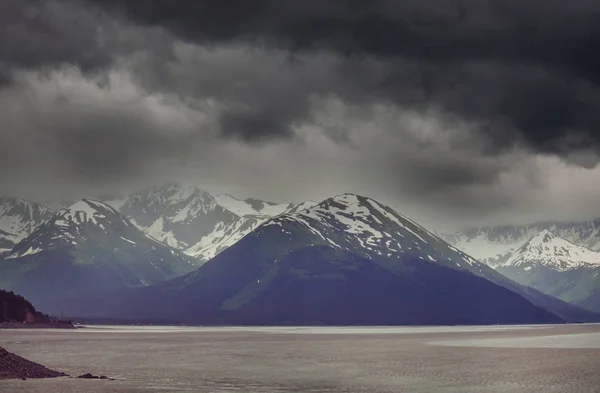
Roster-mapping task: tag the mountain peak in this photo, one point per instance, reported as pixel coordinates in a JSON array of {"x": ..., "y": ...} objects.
[
  {"x": 549, "y": 250},
  {"x": 544, "y": 236},
  {"x": 89, "y": 206},
  {"x": 347, "y": 198},
  {"x": 353, "y": 223},
  {"x": 84, "y": 210}
]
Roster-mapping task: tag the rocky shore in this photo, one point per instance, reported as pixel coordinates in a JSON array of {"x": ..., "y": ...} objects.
[{"x": 15, "y": 367}]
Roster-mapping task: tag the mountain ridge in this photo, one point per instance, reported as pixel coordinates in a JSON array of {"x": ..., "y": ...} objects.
[
  {"x": 558, "y": 268},
  {"x": 88, "y": 247},
  {"x": 317, "y": 260},
  {"x": 494, "y": 244}
]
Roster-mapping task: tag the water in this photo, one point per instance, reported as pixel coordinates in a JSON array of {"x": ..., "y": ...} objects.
[{"x": 302, "y": 359}]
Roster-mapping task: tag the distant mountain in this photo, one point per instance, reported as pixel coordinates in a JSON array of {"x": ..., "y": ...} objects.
[
  {"x": 186, "y": 218},
  {"x": 347, "y": 260},
  {"x": 183, "y": 217},
  {"x": 87, "y": 249},
  {"x": 553, "y": 252},
  {"x": 495, "y": 245},
  {"x": 556, "y": 267},
  {"x": 18, "y": 218},
  {"x": 196, "y": 222}
]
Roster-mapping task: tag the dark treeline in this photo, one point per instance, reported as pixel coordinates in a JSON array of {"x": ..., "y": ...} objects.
[{"x": 14, "y": 308}]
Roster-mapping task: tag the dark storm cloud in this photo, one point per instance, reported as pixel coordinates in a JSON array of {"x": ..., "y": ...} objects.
[
  {"x": 49, "y": 34},
  {"x": 447, "y": 104},
  {"x": 35, "y": 34},
  {"x": 88, "y": 129},
  {"x": 525, "y": 69}
]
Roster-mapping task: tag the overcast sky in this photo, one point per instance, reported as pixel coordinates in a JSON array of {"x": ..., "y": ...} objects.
[{"x": 454, "y": 112}]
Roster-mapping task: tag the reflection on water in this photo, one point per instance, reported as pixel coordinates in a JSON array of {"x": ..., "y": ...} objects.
[{"x": 303, "y": 359}]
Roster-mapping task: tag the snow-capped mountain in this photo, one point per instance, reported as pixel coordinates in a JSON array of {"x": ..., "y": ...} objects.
[
  {"x": 196, "y": 222},
  {"x": 187, "y": 218},
  {"x": 66, "y": 227},
  {"x": 361, "y": 225},
  {"x": 18, "y": 218},
  {"x": 183, "y": 217},
  {"x": 548, "y": 250},
  {"x": 558, "y": 268},
  {"x": 86, "y": 248},
  {"x": 347, "y": 260},
  {"x": 495, "y": 245}
]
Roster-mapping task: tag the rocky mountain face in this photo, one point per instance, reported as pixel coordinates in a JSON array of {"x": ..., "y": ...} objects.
[
  {"x": 18, "y": 218},
  {"x": 347, "y": 260},
  {"x": 87, "y": 249},
  {"x": 558, "y": 268}
]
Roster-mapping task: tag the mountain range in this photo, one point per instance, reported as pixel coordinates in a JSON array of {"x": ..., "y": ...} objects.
[
  {"x": 560, "y": 259},
  {"x": 181, "y": 253},
  {"x": 557, "y": 267},
  {"x": 495, "y": 244},
  {"x": 87, "y": 248},
  {"x": 18, "y": 218},
  {"x": 347, "y": 260}
]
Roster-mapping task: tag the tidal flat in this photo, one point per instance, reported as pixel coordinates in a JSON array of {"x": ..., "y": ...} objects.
[{"x": 548, "y": 358}]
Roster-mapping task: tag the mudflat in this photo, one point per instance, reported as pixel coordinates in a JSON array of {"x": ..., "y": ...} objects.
[{"x": 561, "y": 358}]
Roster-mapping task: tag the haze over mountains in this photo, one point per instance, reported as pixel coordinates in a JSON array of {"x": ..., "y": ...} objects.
[{"x": 267, "y": 259}]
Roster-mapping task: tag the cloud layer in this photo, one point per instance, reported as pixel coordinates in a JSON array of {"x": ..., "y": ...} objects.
[{"x": 479, "y": 110}]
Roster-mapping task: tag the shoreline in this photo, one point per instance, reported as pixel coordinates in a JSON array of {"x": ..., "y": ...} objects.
[
  {"x": 50, "y": 325},
  {"x": 13, "y": 366}
]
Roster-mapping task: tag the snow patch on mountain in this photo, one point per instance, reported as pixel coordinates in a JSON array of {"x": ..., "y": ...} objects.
[
  {"x": 82, "y": 211},
  {"x": 157, "y": 231},
  {"x": 223, "y": 236}
]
